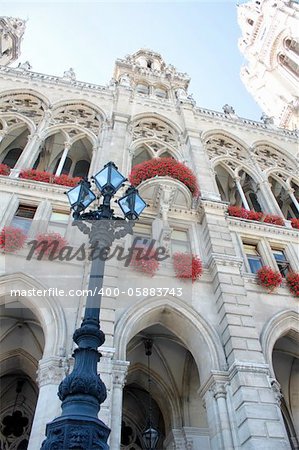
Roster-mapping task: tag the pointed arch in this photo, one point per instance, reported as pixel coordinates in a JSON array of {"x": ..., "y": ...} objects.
[
  {"x": 47, "y": 310},
  {"x": 278, "y": 326},
  {"x": 199, "y": 337}
]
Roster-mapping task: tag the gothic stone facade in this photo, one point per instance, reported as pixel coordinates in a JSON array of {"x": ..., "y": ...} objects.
[
  {"x": 224, "y": 366},
  {"x": 270, "y": 45}
]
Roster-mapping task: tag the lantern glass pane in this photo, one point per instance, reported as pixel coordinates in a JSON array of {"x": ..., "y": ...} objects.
[
  {"x": 126, "y": 204},
  {"x": 87, "y": 197},
  {"x": 101, "y": 178},
  {"x": 116, "y": 178},
  {"x": 73, "y": 195},
  {"x": 139, "y": 204}
]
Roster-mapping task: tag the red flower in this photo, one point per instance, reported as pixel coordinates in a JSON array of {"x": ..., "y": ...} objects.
[
  {"x": 293, "y": 283},
  {"x": 187, "y": 266},
  {"x": 162, "y": 167},
  {"x": 273, "y": 219},
  {"x": 269, "y": 278},
  {"x": 12, "y": 239},
  {"x": 238, "y": 211},
  {"x": 53, "y": 244},
  {"x": 46, "y": 177},
  {"x": 254, "y": 215},
  {"x": 4, "y": 169},
  {"x": 144, "y": 260},
  {"x": 295, "y": 223}
]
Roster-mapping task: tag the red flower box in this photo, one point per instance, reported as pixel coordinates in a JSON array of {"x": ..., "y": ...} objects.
[
  {"x": 163, "y": 167},
  {"x": 293, "y": 283},
  {"x": 295, "y": 223},
  {"x": 187, "y": 266},
  {"x": 269, "y": 278},
  {"x": 12, "y": 239},
  {"x": 46, "y": 177},
  {"x": 53, "y": 244},
  {"x": 273, "y": 219},
  {"x": 4, "y": 169},
  {"x": 144, "y": 261}
]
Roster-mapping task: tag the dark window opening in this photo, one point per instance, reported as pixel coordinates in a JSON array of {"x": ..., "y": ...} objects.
[
  {"x": 282, "y": 262},
  {"x": 23, "y": 217},
  {"x": 12, "y": 157}
]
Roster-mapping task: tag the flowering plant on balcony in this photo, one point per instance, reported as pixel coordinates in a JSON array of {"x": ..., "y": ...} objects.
[
  {"x": 144, "y": 260},
  {"x": 238, "y": 211},
  {"x": 293, "y": 283},
  {"x": 162, "y": 167},
  {"x": 65, "y": 180},
  {"x": 12, "y": 239},
  {"x": 273, "y": 219},
  {"x": 47, "y": 177},
  {"x": 295, "y": 223},
  {"x": 187, "y": 266},
  {"x": 269, "y": 278},
  {"x": 4, "y": 169},
  {"x": 49, "y": 245}
]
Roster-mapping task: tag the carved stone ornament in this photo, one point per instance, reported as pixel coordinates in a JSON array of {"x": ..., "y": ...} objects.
[
  {"x": 228, "y": 109},
  {"x": 276, "y": 388}
]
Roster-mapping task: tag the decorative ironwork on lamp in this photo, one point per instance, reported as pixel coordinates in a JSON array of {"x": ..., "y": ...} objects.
[{"x": 150, "y": 435}]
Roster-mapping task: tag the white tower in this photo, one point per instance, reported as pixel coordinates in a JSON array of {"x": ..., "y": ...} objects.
[
  {"x": 11, "y": 33},
  {"x": 270, "y": 43}
]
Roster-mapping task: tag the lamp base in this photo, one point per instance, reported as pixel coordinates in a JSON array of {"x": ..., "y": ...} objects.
[{"x": 76, "y": 433}]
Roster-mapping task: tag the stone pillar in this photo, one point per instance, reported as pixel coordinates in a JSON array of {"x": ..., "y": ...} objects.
[
  {"x": 294, "y": 200},
  {"x": 258, "y": 424},
  {"x": 267, "y": 199},
  {"x": 198, "y": 154},
  {"x": 51, "y": 371},
  {"x": 31, "y": 150},
  {"x": 242, "y": 195},
  {"x": 66, "y": 149},
  {"x": 119, "y": 372},
  {"x": 219, "y": 392}
]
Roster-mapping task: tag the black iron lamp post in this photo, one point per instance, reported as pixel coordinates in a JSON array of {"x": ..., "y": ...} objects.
[
  {"x": 150, "y": 435},
  {"x": 82, "y": 392}
]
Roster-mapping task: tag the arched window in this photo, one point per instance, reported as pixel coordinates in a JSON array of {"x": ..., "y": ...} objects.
[
  {"x": 166, "y": 155},
  {"x": 289, "y": 64},
  {"x": 81, "y": 168},
  {"x": 149, "y": 64},
  {"x": 161, "y": 93},
  {"x": 141, "y": 155},
  {"x": 142, "y": 89},
  {"x": 292, "y": 45},
  {"x": 12, "y": 157}
]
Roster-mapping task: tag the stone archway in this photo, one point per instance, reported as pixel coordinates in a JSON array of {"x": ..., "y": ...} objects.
[
  {"x": 280, "y": 339},
  {"x": 185, "y": 333}
]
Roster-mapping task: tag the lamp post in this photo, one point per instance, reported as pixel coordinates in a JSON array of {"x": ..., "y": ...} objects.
[
  {"x": 82, "y": 391},
  {"x": 150, "y": 435}
]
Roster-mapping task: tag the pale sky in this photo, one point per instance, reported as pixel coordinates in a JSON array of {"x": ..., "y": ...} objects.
[{"x": 197, "y": 37}]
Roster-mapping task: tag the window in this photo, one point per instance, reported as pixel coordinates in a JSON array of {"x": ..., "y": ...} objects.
[
  {"x": 81, "y": 168},
  {"x": 58, "y": 222},
  {"x": 66, "y": 166},
  {"x": 23, "y": 217},
  {"x": 161, "y": 93},
  {"x": 12, "y": 157},
  {"x": 142, "y": 89},
  {"x": 253, "y": 257},
  {"x": 180, "y": 241},
  {"x": 144, "y": 232},
  {"x": 282, "y": 262}
]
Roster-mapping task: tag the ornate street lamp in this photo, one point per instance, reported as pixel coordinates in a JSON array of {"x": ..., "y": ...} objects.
[
  {"x": 82, "y": 392},
  {"x": 150, "y": 435}
]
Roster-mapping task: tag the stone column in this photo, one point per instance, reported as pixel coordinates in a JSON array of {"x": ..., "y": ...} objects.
[
  {"x": 119, "y": 372},
  {"x": 219, "y": 392},
  {"x": 30, "y": 152},
  {"x": 66, "y": 149},
  {"x": 267, "y": 199},
  {"x": 51, "y": 371},
  {"x": 242, "y": 195},
  {"x": 294, "y": 200}
]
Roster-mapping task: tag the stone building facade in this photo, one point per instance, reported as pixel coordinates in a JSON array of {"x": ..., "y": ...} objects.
[
  {"x": 270, "y": 45},
  {"x": 224, "y": 366}
]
